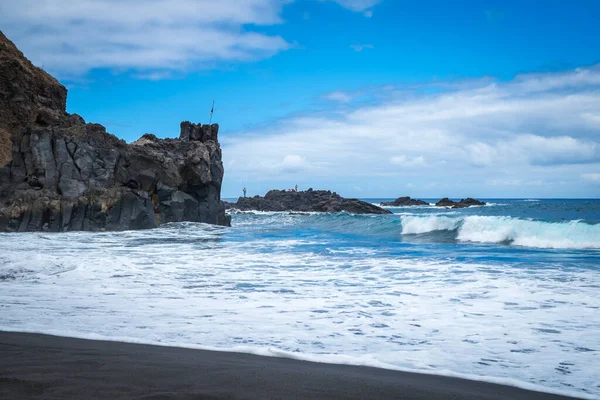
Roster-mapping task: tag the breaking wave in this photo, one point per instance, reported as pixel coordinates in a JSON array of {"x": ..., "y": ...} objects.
[
  {"x": 450, "y": 226},
  {"x": 513, "y": 231}
]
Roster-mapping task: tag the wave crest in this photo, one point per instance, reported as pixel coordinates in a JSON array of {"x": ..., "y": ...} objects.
[
  {"x": 518, "y": 232},
  {"x": 432, "y": 223}
]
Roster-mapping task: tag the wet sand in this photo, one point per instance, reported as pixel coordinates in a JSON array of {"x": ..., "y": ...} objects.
[{"x": 34, "y": 366}]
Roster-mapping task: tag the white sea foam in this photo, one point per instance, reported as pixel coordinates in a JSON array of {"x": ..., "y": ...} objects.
[
  {"x": 433, "y": 206},
  {"x": 234, "y": 211},
  {"x": 518, "y": 232},
  {"x": 361, "y": 361},
  {"x": 205, "y": 287},
  {"x": 431, "y": 223}
]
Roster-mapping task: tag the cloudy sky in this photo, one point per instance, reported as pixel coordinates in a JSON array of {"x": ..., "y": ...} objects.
[{"x": 370, "y": 98}]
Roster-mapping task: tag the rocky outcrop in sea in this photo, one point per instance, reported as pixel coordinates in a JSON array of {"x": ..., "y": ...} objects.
[
  {"x": 468, "y": 202},
  {"x": 404, "y": 202},
  {"x": 305, "y": 201},
  {"x": 59, "y": 173}
]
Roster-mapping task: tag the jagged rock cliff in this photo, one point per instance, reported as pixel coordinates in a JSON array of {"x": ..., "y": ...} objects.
[
  {"x": 306, "y": 201},
  {"x": 58, "y": 173}
]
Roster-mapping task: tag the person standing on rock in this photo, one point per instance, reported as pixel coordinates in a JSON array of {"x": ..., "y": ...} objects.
[{"x": 244, "y": 192}]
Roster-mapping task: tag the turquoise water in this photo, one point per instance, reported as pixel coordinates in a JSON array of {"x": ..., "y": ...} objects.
[
  {"x": 505, "y": 293},
  {"x": 522, "y": 225}
]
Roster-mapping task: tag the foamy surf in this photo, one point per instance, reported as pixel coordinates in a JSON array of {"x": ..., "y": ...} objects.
[
  {"x": 338, "y": 288},
  {"x": 340, "y": 359},
  {"x": 518, "y": 232}
]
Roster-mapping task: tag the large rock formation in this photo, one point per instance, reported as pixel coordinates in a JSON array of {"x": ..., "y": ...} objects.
[
  {"x": 307, "y": 201},
  {"x": 58, "y": 173},
  {"x": 404, "y": 202}
]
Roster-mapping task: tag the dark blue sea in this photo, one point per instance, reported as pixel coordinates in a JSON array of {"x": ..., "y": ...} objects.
[{"x": 507, "y": 292}]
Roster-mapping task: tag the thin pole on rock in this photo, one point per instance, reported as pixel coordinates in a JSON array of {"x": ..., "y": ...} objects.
[{"x": 211, "y": 112}]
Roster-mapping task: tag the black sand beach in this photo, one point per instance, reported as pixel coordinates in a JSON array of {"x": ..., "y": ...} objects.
[{"x": 34, "y": 366}]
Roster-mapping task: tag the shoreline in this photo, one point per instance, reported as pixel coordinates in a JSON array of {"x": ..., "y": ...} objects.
[{"x": 43, "y": 366}]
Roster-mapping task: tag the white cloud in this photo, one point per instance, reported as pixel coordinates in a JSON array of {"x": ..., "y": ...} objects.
[
  {"x": 293, "y": 163},
  {"x": 514, "y": 182},
  {"x": 535, "y": 150},
  {"x": 70, "y": 38},
  {"x": 155, "y": 75},
  {"x": 481, "y": 154},
  {"x": 339, "y": 96},
  {"x": 591, "y": 177},
  {"x": 527, "y": 130},
  {"x": 556, "y": 150},
  {"x": 357, "y": 5},
  {"x": 552, "y": 81},
  {"x": 360, "y": 47},
  {"x": 408, "y": 162}
]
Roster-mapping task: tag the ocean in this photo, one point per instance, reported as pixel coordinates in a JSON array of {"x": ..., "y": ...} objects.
[{"x": 506, "y": 293}]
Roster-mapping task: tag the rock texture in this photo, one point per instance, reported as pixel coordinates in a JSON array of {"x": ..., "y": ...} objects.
[
  {"x": 307, "y": 201},
  {"x": 468, "y": 202},
  {"x": 404, "y": 201},
  {"x": 59, "y": 173},
  {"x": 445, "y": 202}
]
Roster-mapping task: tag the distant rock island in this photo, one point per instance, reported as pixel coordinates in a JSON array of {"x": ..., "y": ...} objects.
[
  {"x": 468, "y": 202},
  {"x": 305, "y": 201},
  {"x": 445, "y": 202},
  {"x": 58, "y": 173},
  {"x": 404, "y": 201}
]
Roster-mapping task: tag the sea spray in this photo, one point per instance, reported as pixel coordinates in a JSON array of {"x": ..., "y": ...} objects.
[
  {"x": 417, "y": 225},
  {"x": 434, "y": 228},
  {"x": 514, "y": 231}
]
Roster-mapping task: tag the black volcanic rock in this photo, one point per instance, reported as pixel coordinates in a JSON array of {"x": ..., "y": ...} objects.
[
  {"x": 27, "y": 94},
  {"x": 464, "y": 203},
  {"x": 58, "y": 173},
  {"x": 306, "y": 201},
  {"x": 468, "y": 202},
  {"x": 404, "y": 201},
  {"x": 445, "y": 202}
]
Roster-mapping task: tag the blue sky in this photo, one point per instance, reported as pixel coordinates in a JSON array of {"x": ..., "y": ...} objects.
[{"x": 368, "y": 98}]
